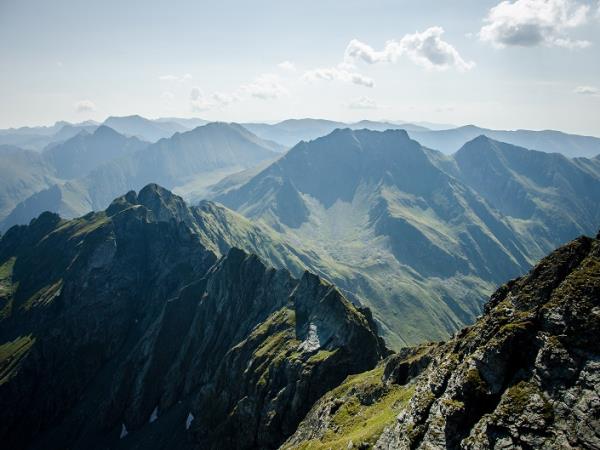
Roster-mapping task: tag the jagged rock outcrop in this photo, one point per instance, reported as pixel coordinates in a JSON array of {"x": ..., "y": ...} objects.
[
  {"x": 132, "y": 328},
  {"x": 526, "y": 375}
]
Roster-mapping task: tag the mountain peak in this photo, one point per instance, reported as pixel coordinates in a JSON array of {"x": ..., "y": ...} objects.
[
  {"x": 482, "y": 138},
  {"x": 163, "y": 205},
  {"x": 105, "y": 131},
  {"x": 130, "y": 117},
  {"x": 478, "y": 145}
]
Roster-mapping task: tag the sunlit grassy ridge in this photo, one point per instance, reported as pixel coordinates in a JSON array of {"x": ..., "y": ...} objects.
[{"x": 361, "y": 408}]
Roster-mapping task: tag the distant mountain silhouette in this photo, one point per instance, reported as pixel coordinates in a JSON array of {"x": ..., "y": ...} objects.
[
  {"x": 188, "y": 161},
  {"x": 82, "y": 153},
  {"x": 143, "y": 128},
  {"x": 291, "y": 131},
  {"x": 550, "y": 141}
]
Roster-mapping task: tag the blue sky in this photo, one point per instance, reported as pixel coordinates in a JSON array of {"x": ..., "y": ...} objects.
[{"x": 516, "y": 64}]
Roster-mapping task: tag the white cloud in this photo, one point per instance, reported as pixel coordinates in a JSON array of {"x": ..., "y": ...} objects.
[
  {"x": 202, "y": 102},
  {"x": 224, "y": 98},
  {"x": 180, "y": 79},
  {"x": 363, "y": 103},
  {"x": 359, "y": 50},
  {"x": 287, "y": 66},
  {"x": 587, "y": 90},
  {"x": 85, "y": 106},
  {"x": 265, "y": 87},
  {"x": 340, "y": 74},
  {"x": 426, "y": 49},
  {"x": 198, "y": 101},
  {"x": 529, "y": 23}
]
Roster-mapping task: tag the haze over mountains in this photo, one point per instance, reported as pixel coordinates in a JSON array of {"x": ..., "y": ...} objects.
[
  {"x": 288, "y": 133},
  {"x": 419, "y": 236},
  {"x": 186, "y": 161},
  {"x": 261, "y": 313}
]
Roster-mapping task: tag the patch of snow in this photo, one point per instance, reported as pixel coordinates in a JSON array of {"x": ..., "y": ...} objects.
[
  {"x": 154, "y": 415},
  {"x": 123, "y": 431},
  {"x": 311, "y": 343},
  {"x": 189, "y": 420}
]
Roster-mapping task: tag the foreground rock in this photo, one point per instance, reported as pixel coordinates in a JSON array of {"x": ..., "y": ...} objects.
[{"x": 525, "y": 376}]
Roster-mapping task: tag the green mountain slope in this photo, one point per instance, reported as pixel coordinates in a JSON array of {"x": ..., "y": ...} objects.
[
  {"x": 418, "y": 236},
  {"x": 129, "y": 316}
]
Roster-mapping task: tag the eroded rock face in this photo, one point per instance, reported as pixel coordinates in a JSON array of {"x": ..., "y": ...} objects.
[
  {"x": 526, "y": 375},
  {"x": 125, "y": 329}
]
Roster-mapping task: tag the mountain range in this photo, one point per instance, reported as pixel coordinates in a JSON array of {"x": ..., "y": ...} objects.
[
  {"x": 102, "y": 165},
  {"x": 418, "y": 236},
  {"x": 38, "y": 138},
  {"x": 142, "y": 326},
  {"x": 287, "y": 133},
  {"x": 78, "y": 156},
  {"x": 550, "y": 141},
  {"x": 290, "y": 132}
]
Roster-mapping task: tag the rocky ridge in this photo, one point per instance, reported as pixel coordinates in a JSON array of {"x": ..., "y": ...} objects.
[
  {"x": 132, "y": 328},
  {"x": 524, "y": 376}
]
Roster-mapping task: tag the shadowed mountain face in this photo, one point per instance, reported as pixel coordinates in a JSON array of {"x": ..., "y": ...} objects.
[
  {"x": 418, "y": 236},
  {"x": 186, "y": 162},
  {"x": 525, "y": 375},
  {"x": 135, "y": 317},
  {"x": 542, "y": 188}
]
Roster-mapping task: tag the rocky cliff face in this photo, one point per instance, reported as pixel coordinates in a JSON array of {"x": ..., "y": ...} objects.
[
  {"x": 526, "y": 375},
  {"x": 131, "y": 328}
]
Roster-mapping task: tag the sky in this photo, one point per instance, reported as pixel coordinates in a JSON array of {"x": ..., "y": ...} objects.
[{"x": 531, "y": 64}]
